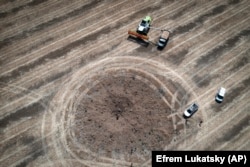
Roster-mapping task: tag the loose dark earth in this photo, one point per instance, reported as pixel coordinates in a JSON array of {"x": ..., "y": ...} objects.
[{"x": 76, "y": 91}]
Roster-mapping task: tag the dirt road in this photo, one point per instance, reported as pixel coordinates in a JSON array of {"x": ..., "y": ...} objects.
[{"x": 74, "y": 91}]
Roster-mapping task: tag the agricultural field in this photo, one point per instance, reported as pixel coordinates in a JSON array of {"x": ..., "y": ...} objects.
[{"x": 76, "y": 91}]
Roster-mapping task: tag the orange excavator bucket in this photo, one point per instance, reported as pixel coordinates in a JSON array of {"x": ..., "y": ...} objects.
[{"x": 133, "y": 33}]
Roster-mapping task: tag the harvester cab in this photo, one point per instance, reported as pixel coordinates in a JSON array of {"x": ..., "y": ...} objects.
[
  {"x": 142, "y": 29},
  {"x": 141, "y": 33},
  {"x": 144, "y": 26}
]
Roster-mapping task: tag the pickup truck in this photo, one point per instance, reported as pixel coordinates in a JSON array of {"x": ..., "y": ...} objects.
[{"x": 163, "y": 40}]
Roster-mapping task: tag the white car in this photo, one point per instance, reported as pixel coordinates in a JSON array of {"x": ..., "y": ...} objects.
[
  {"x": 220, "y": 95},
  {"x": 191, "y": 110}
]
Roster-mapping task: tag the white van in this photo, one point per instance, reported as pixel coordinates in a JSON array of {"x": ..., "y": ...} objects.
[{"x": 220, "y": 95}]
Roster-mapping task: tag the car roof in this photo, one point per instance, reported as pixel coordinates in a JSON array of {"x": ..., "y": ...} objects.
[
  {"x": 193, "y": 106},
  {"x": 222, "y": 91}
]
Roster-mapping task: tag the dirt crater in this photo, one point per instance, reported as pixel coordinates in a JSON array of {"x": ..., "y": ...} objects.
[{"x": 122, "y": 115}]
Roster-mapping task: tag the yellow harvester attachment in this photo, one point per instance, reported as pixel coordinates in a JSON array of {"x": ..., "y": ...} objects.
[{"x": 135, "y": 34}]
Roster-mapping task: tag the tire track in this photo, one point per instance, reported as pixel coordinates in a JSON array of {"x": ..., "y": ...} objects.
[
  {"x": 243, "y": 146},
  {"x": 8, "y": 4},
  {"x": 154, "y": 56},
  {"x": 208, "y": 122},
  {"x": 79, "y": 80},
  {"x": 229, "y": 86},
  {"x": 66, "y": 26},
  {"x": 31, "y": 40},
  {"x": 221, "y": 68},
  {"x": 31, "y": 110},
  {"x": 213, "y": 119},
  {"x": 184, "y": 53},
  {"x": 30, "y": 156},
  {"x": 15, "y": 10},
  {"x": 222, "y": 131},
  {"x": 183, "y": 10},
  {"x": 80, "y": 20},
  {"x": 38, "y": 152},
  {"x": 234, "y": 93},
  {"x": 42, "y": 26},
  {"x": 208, "y": 134},
  {"x": 227, "y": 79},
  {"x": 192, "y": 15},
  {"x": 21, "y": 148},
  {"x": 235, "y": 133},
  {"x": 206, "y": 66},
  {"x": 237, "y": 143},
  {"x": 203, "y": 80},
  {"x": 31, "y": 14},
  {"x": 26, "y": 145},
  {"x": 38, "y": 84},
  {"x": 214, "y": 38},
  {"x": 33, "y": 150},
  {"x": 240, "y": 63},
  {"x": 118, "y": 49},
  {"x": 46, "y": 91},
  {"x": 200, "y": 20},
  {"x": 12, "y": 7},
  {"x": 220, "y": 50},
  {"x": 216, "y": 24},
  {"x": 88, "y": 37}
]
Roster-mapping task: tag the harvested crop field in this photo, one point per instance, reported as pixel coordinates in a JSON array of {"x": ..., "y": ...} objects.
[{"x": 76, "y": 91}]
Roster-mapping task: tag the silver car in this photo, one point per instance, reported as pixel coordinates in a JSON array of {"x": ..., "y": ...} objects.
[{"x": 191, "y": 110}]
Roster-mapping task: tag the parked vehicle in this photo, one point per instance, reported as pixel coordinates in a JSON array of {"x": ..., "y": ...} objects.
[
  {"x": 163, "y": 40},
  {"x": 141, "y": 33},
  {"x": 191, "y": 110},
  {"x": 220, "y": 95}
]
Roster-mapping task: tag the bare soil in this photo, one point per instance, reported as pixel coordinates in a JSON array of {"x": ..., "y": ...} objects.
[{"x": 75, "y": 90}]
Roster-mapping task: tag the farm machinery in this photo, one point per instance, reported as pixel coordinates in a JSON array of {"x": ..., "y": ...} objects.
[{"x": 143, "y": 28}]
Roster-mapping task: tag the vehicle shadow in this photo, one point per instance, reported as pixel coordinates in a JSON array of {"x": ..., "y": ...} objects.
[{"x": 185, "y": 117}]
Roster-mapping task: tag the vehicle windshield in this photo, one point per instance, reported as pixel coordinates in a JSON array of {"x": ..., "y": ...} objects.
[
  {"x": 143, "y": 23},
  {"x": 189, "y": 111},
  {"x": 160, "y": 42},
  {"x": 219, "y": 96}
]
